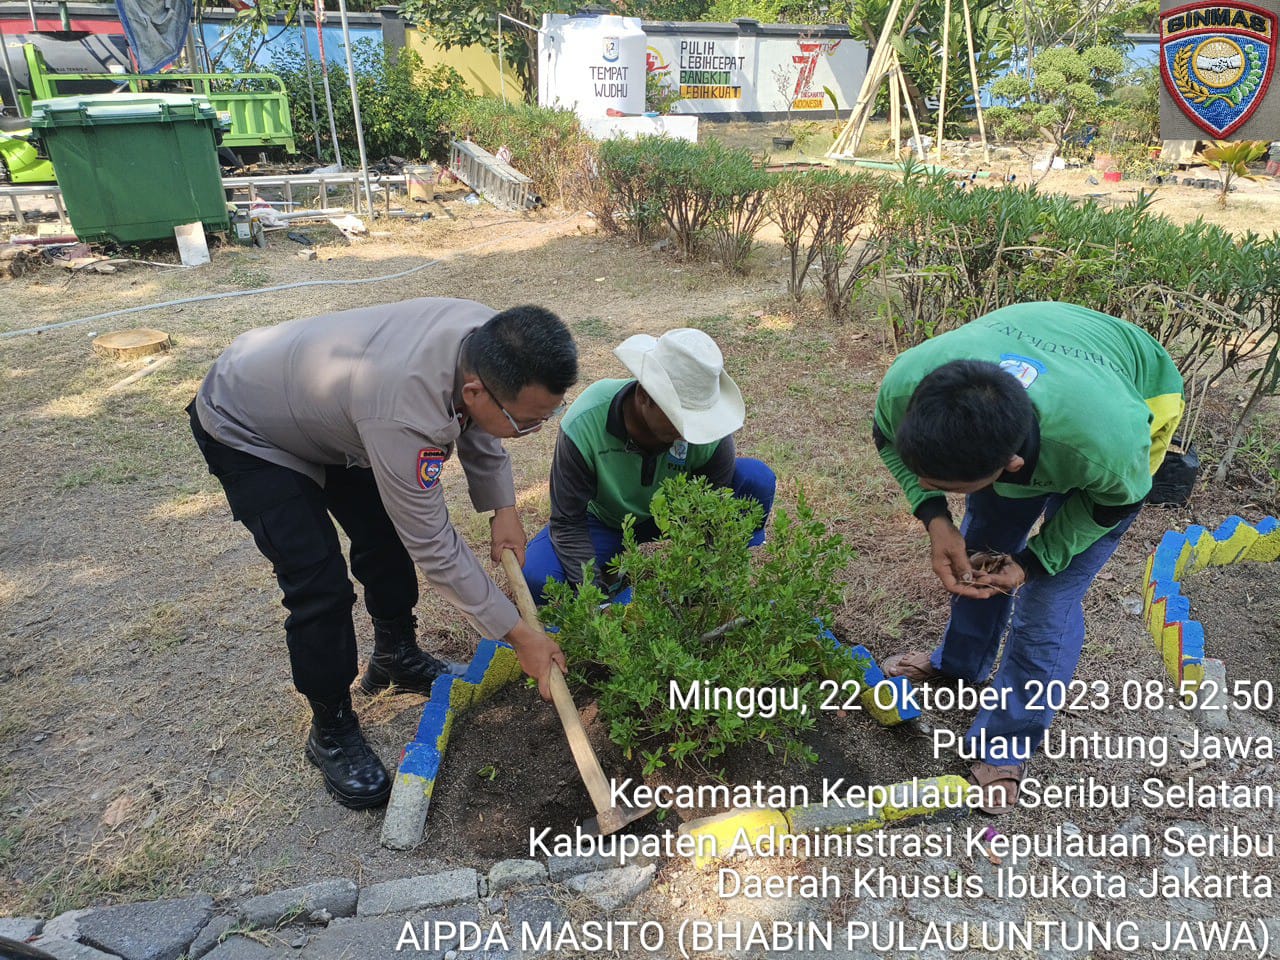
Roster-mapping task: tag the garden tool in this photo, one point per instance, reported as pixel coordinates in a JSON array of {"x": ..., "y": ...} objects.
[{"x": 608, "y": 819}]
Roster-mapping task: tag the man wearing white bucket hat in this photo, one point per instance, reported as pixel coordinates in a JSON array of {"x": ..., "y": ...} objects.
[{"x": 621, "y": 438}]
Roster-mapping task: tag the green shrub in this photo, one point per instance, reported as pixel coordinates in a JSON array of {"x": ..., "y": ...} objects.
[
  {"x": 629, "y": 170},
  {"x": 711, "y": 197},
  {"x": 659, "y": 97},
  {"x": 1069, "y": 91},
  {"x": 404, "y": 107},
  {"x": 706, "y": 608},
  {"x": 547, "y": 145}
]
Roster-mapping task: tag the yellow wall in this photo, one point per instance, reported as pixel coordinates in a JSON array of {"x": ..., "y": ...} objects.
[{"x": 478, "y": 66}]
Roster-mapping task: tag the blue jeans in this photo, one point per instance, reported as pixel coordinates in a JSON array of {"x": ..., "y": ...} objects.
[
  {"x": 1045, "y": 636},
  {"x": 752, "y": 479}
]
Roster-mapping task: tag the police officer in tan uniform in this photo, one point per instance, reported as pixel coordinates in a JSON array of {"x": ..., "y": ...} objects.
[{"x": 352, "y": 415}]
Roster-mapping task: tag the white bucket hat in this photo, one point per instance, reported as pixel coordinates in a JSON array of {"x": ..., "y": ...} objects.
[{"x": 683, "y": 371}]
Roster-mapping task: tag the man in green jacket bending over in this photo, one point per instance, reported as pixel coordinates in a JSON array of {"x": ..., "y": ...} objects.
[{"x": 1039, "y": 409}]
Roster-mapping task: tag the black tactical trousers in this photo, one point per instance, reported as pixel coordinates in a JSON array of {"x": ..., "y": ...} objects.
[{"x": 288, "y": 514}]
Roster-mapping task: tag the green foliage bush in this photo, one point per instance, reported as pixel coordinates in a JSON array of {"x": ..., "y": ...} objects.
[
  {"x": 546, "y": 145},
  {"x": 707, "y": 608},
  {"x": 1133, "y": 115},
  {"x": 828, "y": 219},
  {"x": 404, "y": 106},
  {"x": 711, "y": 197},
  {"x": 1069, "y": 92}
]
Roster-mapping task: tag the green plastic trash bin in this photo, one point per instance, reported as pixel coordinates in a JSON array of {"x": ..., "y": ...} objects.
[{"x": 134, "y": 166}]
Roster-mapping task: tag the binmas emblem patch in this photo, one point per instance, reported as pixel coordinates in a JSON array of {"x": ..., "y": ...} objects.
[
  {"x": 1216, "y": 60},
  {"x": 430, "y": 466}
]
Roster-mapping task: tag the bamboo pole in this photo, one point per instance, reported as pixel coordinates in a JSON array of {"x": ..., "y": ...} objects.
[
  {"x": 870, "y": 85},
  {"x": 942, "y": 87},
  {"x": 906, "y": 96},
  {"x": 895, "y": 113},
  {"x": 973, "y": 75},
  {"x": 852, "y": 133}
]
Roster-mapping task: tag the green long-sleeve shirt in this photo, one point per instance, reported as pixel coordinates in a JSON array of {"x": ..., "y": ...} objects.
[{"x": 1107, "y": 399}]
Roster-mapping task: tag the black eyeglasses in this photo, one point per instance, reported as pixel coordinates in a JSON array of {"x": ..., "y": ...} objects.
[{"x": 529, "y": 428}]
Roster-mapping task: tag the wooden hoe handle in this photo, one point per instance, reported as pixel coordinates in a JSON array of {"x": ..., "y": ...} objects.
[{"x": 588, "y": 765}]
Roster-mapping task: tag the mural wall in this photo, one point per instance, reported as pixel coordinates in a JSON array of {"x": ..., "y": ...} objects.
[{"x": 753, "y": 71}]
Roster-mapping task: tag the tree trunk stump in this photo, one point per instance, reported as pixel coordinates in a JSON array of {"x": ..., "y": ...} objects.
[{"x": 130, "y": 344}]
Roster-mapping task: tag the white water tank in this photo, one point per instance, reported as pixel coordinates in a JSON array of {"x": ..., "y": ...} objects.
[{"x": 591, "y": 65}]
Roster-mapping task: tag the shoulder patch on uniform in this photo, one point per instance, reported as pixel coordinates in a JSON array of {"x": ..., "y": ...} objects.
[
  {"x": 430, "y": 466},
  {"x": 1023, "y": 369}
]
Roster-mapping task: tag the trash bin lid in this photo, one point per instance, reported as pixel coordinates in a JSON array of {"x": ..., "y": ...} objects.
[{"x": 98, "y": 108}]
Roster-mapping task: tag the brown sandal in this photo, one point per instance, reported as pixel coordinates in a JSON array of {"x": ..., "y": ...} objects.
[
  {"x": 1000, "y": 786},
  {"x": 915, "y": 666}
]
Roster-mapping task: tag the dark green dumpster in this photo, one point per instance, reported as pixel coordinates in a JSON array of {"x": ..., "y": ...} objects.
[{"x": 134, "y": 166}]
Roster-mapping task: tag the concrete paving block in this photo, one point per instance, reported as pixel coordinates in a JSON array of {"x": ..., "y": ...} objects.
[
  {"x": 503, "y": 668},
  {"x": 65, "y": 926},
  {"x": 61, "y": 949},
  {"x": 1169, "y": 643},
  {"x": 1177, "y": 608},
  {"x": 562, "y": 868},
  {"x": 873, "y": 673},
  {"x": 529, "y": 913},
  {"x": 1273, "y": 935},
  {"x": 1155, "y": 614},
  {"x": 424, "y": 934},
  {"x": 1202, "y": 547},
  {"x": 515, "y": 873},
  {"x": 210, "y": 936},
  {"x": 1218, "y": 721},
  {"x": 612, "y": 888},
  {"x": 1185, "y": 556},
  {"x": 296, "y": 904},
  {"x": 405, "y": 820},
  {"x": 1267, "y": 547},
  {"x": 160, "y": 930},
  {"x": 1164, "y": 563},
  {"x": 416, "y": 893},
  {"x": 1230, "y": 540},
  {"x": 19, "y": 928},
  {"x": 242, "y": 948},
  {"x": 1191, "y": 646}
]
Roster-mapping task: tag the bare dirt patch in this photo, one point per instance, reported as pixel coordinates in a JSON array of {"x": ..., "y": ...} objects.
[{"x": 1239, "y": 607}]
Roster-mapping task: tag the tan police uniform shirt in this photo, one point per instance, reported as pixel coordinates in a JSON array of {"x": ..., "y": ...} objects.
[{"x": 375, "y": 387}]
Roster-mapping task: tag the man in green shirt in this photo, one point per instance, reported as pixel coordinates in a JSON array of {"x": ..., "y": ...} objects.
[
  {"x": 1036, "y": 409},
  {"x": 621, "y": 438}
]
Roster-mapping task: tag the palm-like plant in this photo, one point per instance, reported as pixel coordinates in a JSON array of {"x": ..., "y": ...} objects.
[{"x": 1231, "y": 159}]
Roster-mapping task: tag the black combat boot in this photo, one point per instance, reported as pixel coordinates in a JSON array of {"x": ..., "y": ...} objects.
[
  {"x": 353, "y": 774},
  {"x": 398, "y": 659}
]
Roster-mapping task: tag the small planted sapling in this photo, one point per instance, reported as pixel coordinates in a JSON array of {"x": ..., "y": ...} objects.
[
  {"x": 1231, "y": 160},
  {"x": 710, "y": 613}
]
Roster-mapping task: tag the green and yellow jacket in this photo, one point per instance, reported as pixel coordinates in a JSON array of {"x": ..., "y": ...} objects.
[{"x": 1107, "y": 398}]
